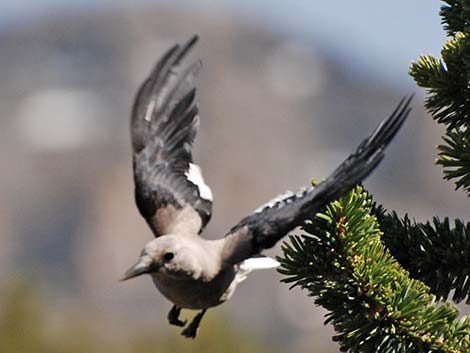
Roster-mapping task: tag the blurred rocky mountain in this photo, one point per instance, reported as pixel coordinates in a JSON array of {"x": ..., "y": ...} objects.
[{"x": 275, "y": 112}]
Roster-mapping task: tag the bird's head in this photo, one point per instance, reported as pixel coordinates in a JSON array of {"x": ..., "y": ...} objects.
[{"x": 168, "y": 255}]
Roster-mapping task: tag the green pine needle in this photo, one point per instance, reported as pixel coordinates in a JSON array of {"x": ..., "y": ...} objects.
[
  {"x": 455, "y": 16},
  {"x": 436, "y": 253},
  {"x": 447, "y": 82},
  {"x": 454, "y": 156},
  {"x": 372, "y": 303}
]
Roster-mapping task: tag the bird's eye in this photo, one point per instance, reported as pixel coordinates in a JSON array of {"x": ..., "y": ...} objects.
[{"x": 168, "y": 256}]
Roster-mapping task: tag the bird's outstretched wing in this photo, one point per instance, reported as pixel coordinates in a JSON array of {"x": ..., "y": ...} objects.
[
  {"x": 170, "y": 192},
  {"x": 272, "y": 221}
]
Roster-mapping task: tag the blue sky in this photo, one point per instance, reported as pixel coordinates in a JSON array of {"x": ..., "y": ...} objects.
[
  {"x": 382, "y": 36},
  {"x": 378, "y": 37}
]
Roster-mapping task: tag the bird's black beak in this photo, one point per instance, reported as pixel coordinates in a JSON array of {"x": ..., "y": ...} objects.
[{"x": 142, "y": 267}]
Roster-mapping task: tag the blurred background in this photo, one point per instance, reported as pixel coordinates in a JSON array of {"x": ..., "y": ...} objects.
[{"x": 287, "y": 90}]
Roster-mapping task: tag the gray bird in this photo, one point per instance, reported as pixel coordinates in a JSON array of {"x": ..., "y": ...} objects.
[{"x": 170, "y": 193}]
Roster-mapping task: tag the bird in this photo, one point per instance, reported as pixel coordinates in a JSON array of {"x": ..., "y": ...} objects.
[{"x": 170, "y": 193}]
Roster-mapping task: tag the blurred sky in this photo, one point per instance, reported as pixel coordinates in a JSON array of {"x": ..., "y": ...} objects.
[{"x": 376, "y": 38}]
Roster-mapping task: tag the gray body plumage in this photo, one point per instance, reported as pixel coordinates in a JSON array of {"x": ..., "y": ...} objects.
[
  {"x": 196, "y": 293},
  {"x": 197, "y": 276},
  {"x": 194, "y": 279},
  {"x": 171, "y": 195}
]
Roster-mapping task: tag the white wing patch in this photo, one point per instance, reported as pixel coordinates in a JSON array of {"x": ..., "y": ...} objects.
[
  {"x": 285, "y": 197},
  {"x": 194, "y": 175}
]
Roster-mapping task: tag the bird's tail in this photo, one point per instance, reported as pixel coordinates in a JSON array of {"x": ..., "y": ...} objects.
[{"x": 255, "y": 263}]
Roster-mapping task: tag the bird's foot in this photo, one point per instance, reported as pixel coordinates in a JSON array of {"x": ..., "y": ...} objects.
[
  {"x": 191, "y": 330},
  {"x": 173, "y": 317}
]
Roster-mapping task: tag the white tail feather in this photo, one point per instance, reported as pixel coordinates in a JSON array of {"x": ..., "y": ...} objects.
[
  {"x": 258, "y": 263},
  {"x": 254, "y": 263}
]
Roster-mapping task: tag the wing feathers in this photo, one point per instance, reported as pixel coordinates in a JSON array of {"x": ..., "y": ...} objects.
[
  {"x": 272, "y": 221},
  {"x": 164, "y": 124},
  {"x": 153, "y": 96},
  {"x": 286, "y": 198}
]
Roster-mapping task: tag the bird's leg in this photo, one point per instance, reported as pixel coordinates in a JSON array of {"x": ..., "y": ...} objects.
[
  {"x": 191, "y": 330},
  {"x": 173, "y": 316}
]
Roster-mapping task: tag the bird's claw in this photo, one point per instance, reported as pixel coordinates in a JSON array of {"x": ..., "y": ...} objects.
[
  {"x": 173, "y": 317},
  {"x": 177, "y": 322},
  {"x": 190, "y": 331}
]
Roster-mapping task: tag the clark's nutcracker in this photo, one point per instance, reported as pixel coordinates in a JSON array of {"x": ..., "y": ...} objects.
[{"x": 170, "y": 193}]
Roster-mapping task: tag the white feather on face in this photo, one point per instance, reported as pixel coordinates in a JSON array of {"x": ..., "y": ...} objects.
[{"x": 194, "y": 175}]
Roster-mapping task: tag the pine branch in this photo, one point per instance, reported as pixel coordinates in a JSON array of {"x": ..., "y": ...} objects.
[
  {"x": 455, "y": 16},
  {"x": 434, "y": 253},
  {"x": 447, "y": 82},
  {"x": 373, "y": 304},
  {"x": 455, "y": 158}
]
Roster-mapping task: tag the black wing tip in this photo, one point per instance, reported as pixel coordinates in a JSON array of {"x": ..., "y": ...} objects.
[
  {"x": 388, "y": 128},
  {"x": 192, "y": 40},
  {"x": 374, "y": 149},
  {"x": 174, "y": 55},
  {"x": 371, "y": 151},
  {"x": 397, "y": 119},
  {"x": 186, "y": 47}
]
